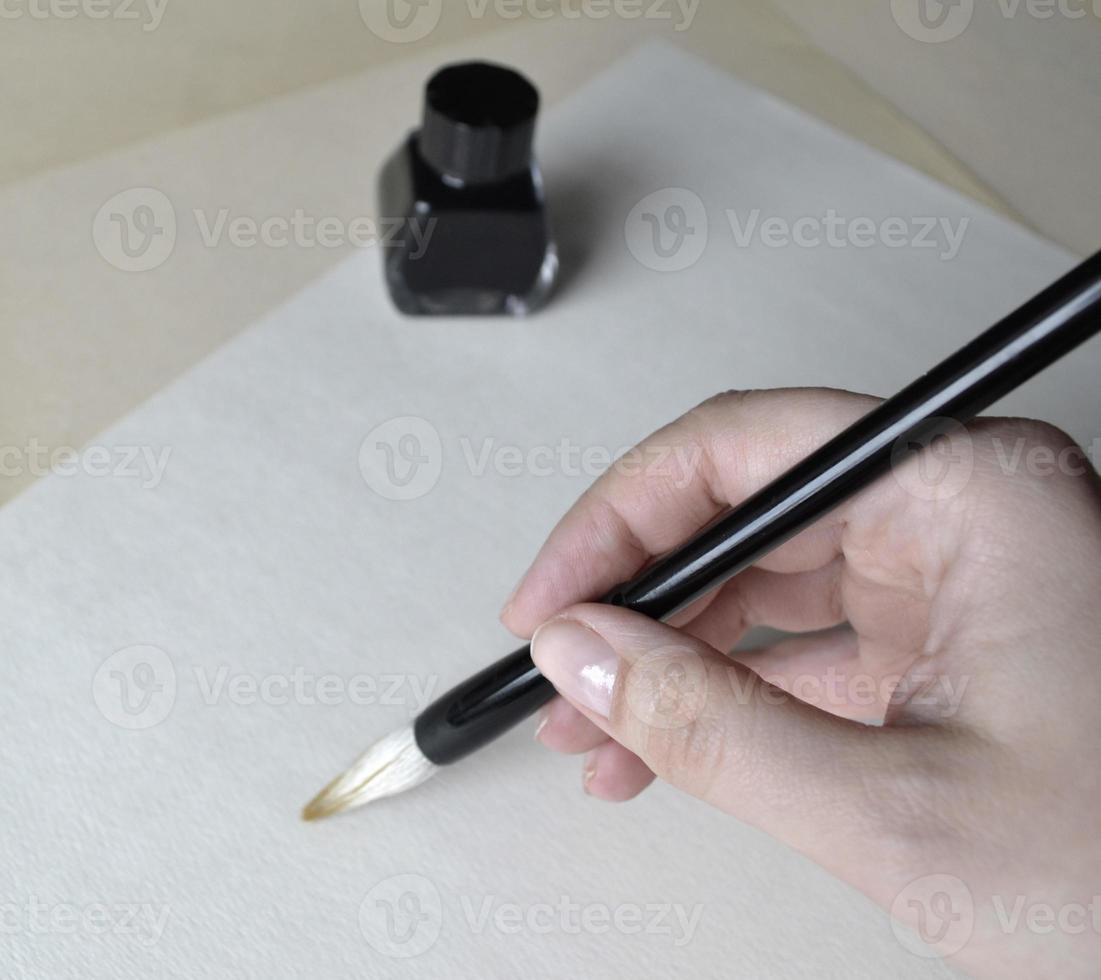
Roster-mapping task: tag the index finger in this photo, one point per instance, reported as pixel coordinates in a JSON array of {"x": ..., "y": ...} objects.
[{"x": 675, "y": 482}]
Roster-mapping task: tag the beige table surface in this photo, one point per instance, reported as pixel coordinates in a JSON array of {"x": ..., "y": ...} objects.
[{"x": 265, "y": 109}]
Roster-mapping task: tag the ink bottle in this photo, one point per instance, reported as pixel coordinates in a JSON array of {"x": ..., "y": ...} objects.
[{"x": 462, "y": 198}]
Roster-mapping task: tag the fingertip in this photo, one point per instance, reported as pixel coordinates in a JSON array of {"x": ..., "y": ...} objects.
[
  {"x": 510, "y": 622},
  {"x": 524, "y": 609},
  {"x": 507, "y": 615}
]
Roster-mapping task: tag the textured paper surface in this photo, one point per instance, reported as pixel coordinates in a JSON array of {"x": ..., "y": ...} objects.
[{"x": 151, "y": 795}]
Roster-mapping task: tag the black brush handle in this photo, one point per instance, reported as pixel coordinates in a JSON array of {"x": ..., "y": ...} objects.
[{"x": 1062, "y": 317}]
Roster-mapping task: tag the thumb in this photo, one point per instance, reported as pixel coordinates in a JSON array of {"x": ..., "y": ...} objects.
[{"x": 825, "y": 785}]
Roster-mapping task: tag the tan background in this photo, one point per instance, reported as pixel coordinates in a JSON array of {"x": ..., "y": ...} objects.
[{"x": 1007, "y": 112}]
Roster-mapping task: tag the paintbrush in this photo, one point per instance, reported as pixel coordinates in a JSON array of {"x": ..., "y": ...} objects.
[{"x": 1059, "y": 319}]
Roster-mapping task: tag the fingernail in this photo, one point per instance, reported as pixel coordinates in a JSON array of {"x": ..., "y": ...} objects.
[
  {"x": 578, "y": 662},
  {"x": 543, "y": 719},
  {"x": 589, "y": 772}
]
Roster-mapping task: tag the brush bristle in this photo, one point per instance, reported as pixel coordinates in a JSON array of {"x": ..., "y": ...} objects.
[{"x": 392, "y": 765}]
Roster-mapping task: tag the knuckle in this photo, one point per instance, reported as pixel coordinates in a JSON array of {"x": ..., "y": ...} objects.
[
  {"x": 1040, "y": 433},
  {"x": 835, "y": 598},
  {"x": 674, "y": 702},
  {"x": 715, "y": 413},
  {"x": 1022, "y": 466},
  {"x": 1022, "y": 447},
  {"x": 724, "y": 400},
  {"x": 690, "y": 753}
]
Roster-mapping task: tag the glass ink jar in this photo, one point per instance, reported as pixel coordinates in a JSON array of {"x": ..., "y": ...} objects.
[{"x": 462, "y": 200}]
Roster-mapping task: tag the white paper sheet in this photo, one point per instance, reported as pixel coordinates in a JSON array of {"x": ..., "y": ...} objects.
[{"x": 165, "y": 637}]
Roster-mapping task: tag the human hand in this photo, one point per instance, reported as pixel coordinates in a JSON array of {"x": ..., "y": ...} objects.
[{"x": 964, "y": 615}]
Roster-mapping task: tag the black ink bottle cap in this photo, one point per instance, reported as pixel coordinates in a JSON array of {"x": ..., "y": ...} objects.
[{"x": 479, "y": 121}]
